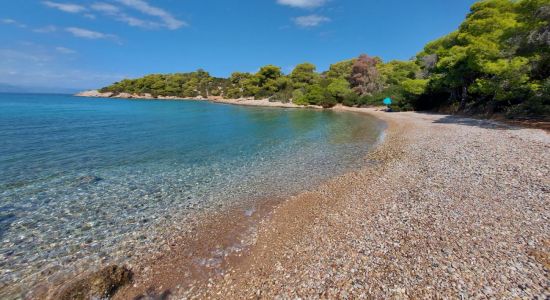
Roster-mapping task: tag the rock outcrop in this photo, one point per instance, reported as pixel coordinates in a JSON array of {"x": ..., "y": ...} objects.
[
  {"x": 94, "y": 93},
  {"x": 99, "y": 285}
]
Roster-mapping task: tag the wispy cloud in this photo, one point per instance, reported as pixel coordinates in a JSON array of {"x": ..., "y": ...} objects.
[
  {"x": 13, "y": 55},
  {"x": 64, "y": 50},
  {"x": 85, "y": 33},
  {"x": 119, "y": 15},
  {"x": 32, "y": 64},
  {"x": 311, "y": 20},
  {"x": 55, "y": 76},
  {"x": 302, "y": 3},
  {"x": 66, "y": 7},
  {"x": 168, "y": 20},
  {"x": 90, "y": 34},
  {"x": 136, "y": 22},
  {"x": 105, "y": 7},
  {"x": 13, "y": 22},
  {"x": 46, "y": 29},
  {"x": 8, "y": 21}
]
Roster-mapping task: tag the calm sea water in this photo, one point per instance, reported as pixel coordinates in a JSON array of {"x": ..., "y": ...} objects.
[{"x": 85, "y": 179}]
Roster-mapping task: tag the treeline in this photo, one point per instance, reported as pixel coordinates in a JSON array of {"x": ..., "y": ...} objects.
[
  {"x": 194, "y": 84},
  {"x": 498, "y": 61}
]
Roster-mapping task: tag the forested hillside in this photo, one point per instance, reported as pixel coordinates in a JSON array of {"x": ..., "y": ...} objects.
[{"x": 498, "y": 61}]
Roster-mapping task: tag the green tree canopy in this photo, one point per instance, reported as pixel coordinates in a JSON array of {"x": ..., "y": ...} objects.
[{"x": 304, "y": 75}]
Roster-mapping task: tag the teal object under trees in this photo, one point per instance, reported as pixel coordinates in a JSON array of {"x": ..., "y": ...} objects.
[{"x": 387, "y": 101}]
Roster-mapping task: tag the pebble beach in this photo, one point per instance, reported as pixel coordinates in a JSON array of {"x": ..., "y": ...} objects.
[{"x": 454, "y": 208}]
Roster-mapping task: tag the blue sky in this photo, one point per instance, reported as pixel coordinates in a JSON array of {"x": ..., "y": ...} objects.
[{"x": 88, "y": 44}]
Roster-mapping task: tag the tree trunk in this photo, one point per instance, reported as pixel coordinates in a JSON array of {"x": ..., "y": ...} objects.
[
  {"x": 453, "y": 97},
  {"x": 491, "y": 107},
  {"x": 463, "y": 98}
]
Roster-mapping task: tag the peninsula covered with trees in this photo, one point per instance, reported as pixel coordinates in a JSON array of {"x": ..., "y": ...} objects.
[{"x": 498, "y": 61}]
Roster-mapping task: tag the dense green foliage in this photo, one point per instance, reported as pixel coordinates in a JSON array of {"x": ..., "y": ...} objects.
[
  {"x": 193, "y": 84},
  {"x": 497, "y": 61}
]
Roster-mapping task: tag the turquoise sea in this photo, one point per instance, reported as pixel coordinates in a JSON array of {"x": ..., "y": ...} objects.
[{"x": 85, "y": 180}]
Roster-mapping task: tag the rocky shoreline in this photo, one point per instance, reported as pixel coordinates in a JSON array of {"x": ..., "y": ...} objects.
[
  {"x": 217, "y": 99},
  {"x": 451, "y": 208},
  {"x": 98, "y": 94}
]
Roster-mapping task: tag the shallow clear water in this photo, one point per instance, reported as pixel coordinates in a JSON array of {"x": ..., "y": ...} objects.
[{"x": 80, "y": 175}]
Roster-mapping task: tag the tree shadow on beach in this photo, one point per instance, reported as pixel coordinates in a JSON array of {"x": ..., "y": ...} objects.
[{"x": 481, "y": 123}]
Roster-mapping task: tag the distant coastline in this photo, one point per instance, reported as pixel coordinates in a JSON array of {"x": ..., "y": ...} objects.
[{"x": 218, "y": 99}]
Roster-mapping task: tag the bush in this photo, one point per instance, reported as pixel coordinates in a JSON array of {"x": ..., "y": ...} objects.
[
  {"x": 283, "y": 96},
  {"x": 351, "y": 99},
  {"x": 298, "y": 97},
  {"x": 536, "y": 106},
  {"x": 262, "y": 94},
  {"x": 327, "y": 101}
]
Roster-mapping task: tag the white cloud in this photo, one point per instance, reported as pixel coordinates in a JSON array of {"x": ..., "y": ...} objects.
[
  {"x": 66, "y": 7},
  {"x": 8, "y": 21},
  {"x": 119, "y": 15},
  {"x": 167, "y": 19},
  {"x": 56, "y": 76},
  {"x": 65, "y": 50},
  {"x": 137, "y": 22},
  {"x": 46, "y": 29},
  {"x": 13, "y": 22},
  {"x": 89, "y": 34},
  {"x": 105, "y": 7},
  {"x": 302, "y": 3},
  {"x": 310, "y": 21},
  {"x": 41, "y": 65},
  {"x": 14, "y": 55}
]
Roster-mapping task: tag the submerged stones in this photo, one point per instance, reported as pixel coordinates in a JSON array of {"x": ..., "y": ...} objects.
[
  {"x": 99, "y": 285},
  {"x": 88, "y": 179}
]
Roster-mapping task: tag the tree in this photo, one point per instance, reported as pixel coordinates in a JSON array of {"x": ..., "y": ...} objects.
[
  {"x": 395, "y": 72},
  {"x": 298, "y": 97},
  {"x": 268, "y": 73},
  {"x": 463, "y": 56},
  {"x": 284, "y": 90},
  {"x": 304, "y": 75},
  {"x": 365, "y": 78},
  {"x": 314, "y": 94},
  {"x": 266, "y": 81},
  {"x": 237, "y": 86},
  {"x": 339, "y": 89},
  {"x": 414, "y": 87},
  {"x": 340, "y": 70},
  {"x": 507, "y": 80}
]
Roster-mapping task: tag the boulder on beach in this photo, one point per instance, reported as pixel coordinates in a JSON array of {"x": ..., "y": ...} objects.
[{"x": 99, "y": 285}]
